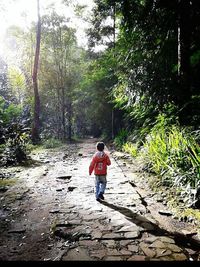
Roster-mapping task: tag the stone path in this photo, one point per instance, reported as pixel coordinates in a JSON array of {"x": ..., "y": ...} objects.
[
  {"x": 113, "y": 229},
  {"x": 73, "y": 226}
]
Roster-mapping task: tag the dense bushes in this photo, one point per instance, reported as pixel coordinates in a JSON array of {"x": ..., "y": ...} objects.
[
  {"x": 172, "y": 153},
  {"x": 14, "y": 134},
  {"x": 171, "y": 149}
]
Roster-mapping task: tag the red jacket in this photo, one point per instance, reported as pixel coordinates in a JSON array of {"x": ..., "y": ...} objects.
[{"x": 99, "y": 163}]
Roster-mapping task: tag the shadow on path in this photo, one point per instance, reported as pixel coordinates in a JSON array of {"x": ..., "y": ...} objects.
[{"x": 180, "y": 239}]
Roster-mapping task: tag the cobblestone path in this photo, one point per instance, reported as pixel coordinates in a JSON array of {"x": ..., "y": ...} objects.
[{"x": 62, "y": 220}]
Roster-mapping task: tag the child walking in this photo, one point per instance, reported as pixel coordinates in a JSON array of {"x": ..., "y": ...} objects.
[{"x": 99, "y": 163}]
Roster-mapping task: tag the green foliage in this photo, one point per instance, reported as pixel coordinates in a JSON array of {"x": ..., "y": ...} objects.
[
  {"x": 95, "y": 96},
  {"x": 15, "y": 146},
  {"x": 9, "y": 112},
  {"x": 130, "y": 148},
  {"x": 12, "y": 112},
  {"x": 138, "y": 117},
  {"x": 17, "y": 83},
  {"x": 173, "y": 154},
  {"x": 195, "y": 58},
  {"x": 52, "y": 143},
  {"x": 7, "y": 182},
  {"x": 31, "y": 147},
  {"x": 121, "y": 138},
  {"x": 60, "y": 72},
  {"x": 13, "y": 134},
  {"x": 119, "y": 93}
]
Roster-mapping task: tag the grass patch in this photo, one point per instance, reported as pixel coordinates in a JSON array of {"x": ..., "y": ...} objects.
[
  {"x": 53, "y": 226},
  {"x": 52, "y": 143},
  {"x": 7, "y": 182}
]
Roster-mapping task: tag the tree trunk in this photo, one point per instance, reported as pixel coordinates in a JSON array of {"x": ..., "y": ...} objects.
[
  {"x": 36, "y": 120},
  {"x": 63, "y": 115},
  {"x": 114, "y": 25},
  {"x": 184, "y": 40},
  {"x": 70, "y": 121}
]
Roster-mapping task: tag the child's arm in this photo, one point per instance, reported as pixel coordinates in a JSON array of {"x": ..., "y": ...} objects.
[
  {"x": 108, "y": 162},
  {"x": 91, "y": 167}
]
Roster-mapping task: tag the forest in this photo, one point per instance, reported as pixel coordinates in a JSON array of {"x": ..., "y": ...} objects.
[{"x": 141, "y": 92}]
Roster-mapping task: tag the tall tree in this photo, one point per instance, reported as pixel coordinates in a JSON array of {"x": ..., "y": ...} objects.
[
  {"x": 103, "y": 32},
  {"x": 60, "y": 72},
  {"x": 36, "y": 120}
]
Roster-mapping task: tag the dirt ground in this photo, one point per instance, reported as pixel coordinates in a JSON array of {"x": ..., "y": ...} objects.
[{"x": 50, "y": 213}]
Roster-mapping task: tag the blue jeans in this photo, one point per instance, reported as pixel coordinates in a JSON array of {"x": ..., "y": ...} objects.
[{"x": 100, "y": 184}]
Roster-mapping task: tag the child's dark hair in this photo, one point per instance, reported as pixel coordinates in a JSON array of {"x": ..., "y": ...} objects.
[{"x": 100, "y": 146}]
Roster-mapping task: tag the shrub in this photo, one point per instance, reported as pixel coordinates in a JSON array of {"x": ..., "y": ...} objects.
[
  {"x": 121, "y": 138},
  {"x": 173, "y": 153},
  {"x": 130, "y": 148}
]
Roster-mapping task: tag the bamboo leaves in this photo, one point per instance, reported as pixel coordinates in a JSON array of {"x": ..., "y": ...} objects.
[{"x": 173, "y": 151}]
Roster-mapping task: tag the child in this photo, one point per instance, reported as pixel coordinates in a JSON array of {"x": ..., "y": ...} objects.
[{"x": 99, "y": 163}]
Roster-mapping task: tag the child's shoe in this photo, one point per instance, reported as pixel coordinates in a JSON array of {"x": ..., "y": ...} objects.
[{"x": 101, "y": 196}]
